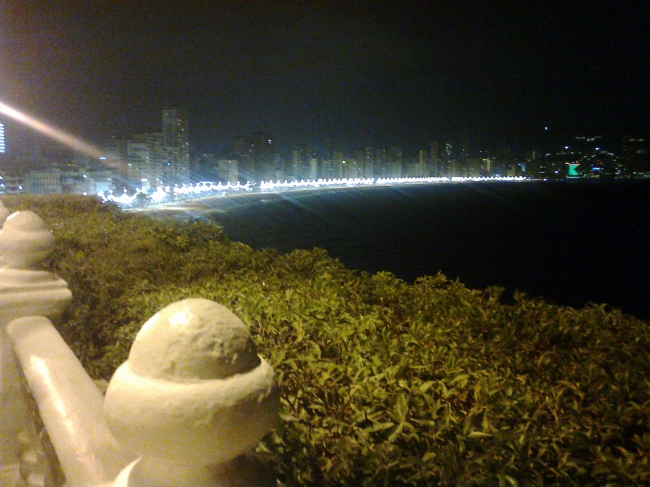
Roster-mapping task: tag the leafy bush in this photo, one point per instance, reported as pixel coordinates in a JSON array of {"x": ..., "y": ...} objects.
[{"x": 383, "y": 383}]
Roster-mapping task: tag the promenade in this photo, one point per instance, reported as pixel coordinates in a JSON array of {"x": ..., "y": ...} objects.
[{"x": 189, "y": 204}]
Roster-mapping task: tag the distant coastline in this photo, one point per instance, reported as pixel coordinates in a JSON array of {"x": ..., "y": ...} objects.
[{"x": 196, "y": 207}]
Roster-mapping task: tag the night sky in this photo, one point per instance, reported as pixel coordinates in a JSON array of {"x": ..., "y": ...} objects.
[{"x": 361, "y": 73}]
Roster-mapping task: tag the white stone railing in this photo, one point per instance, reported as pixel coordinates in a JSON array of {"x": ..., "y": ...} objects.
[{"x": 185, "y": 409}]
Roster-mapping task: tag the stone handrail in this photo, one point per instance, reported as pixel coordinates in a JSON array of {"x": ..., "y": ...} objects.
[
  {"x": 69, "y": 403},
  {"x": 185, "y": 409}
]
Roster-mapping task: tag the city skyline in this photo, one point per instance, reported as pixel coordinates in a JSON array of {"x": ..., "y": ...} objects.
[
  {"x": 161, "y": 159},
  {"x": 358, "y": 73}
]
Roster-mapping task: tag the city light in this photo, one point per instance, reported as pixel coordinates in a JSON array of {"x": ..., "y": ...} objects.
[{"x": 207, "y": 188}]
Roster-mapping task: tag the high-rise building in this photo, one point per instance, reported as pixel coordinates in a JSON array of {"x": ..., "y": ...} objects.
[
  {"x": 204, "y": 167},
  {"x": 228, "y": 170},
  {"x": 242, "y": 151},
  {"x": 147, "y": 159},
  {"x": 116, "y": 156},
  {"x": 505, "y": 162},
  {"x": 381, "y": 163},
  {"x": 423, "y": 170},
  {"x": 395, "y": 162},
  {"x": 175, "y": 128},
  {"x": 303, "y": 158},
  {"x": 327, "y": 150},
  {"x": 3, "y": 148},
  {"x": 258, "y": 159},
  {"x": 313, "y": 168},
  {"x": 487, "y": 165},
  {"x": 263, "y": 147},
  {"x": 368, "y": 162},
  {"x": 176, "y": 143},
  {"x": 533, "y": 161},
  {"x": 473, "y": 167},
  {"x": 448, "y": 163},
  {"x": 435, "y": 159},
  {"x": 636, "y": 156},
  {"x": 340, "y": 169}
]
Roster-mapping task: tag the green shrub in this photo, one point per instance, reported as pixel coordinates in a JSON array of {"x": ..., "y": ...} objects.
[{"x": 383, "y": 383}]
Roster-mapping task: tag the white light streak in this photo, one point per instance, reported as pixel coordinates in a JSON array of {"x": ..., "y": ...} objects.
[{"x": 51, "y": 132}]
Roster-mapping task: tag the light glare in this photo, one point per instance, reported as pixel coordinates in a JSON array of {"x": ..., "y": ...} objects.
[{"x": 51, "y": 132}]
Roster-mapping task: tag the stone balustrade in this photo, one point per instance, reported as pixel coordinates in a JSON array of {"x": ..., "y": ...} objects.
[{"x": 185, "y": 409}]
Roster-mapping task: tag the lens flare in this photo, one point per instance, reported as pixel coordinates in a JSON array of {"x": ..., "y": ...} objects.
[{"x": 51, "y": 132}]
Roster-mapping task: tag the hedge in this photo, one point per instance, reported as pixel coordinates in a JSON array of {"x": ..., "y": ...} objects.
[{"x": 383, "y": 382}]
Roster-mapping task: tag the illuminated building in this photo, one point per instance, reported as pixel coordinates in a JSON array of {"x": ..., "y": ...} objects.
[
  {"x": 395, "y": 161},
  {"x": 423, "y": 164},
  {"x": 47, "y": 181},
  {"x": 3, "y": 148},
  {"x": 176, "y": 146},
  {"x": 242, "y": 151},
  {"x": 435, "y": 159},
  {"x": 532, "y": 161},
  {"x": 487, "y": 166},
  {"x": 116, "y": 155},
  {"x": 257, "y": 157},
  {"x": 340, "y": 167},
  {"x": 263, "y": 156},
  {"x": 301, "y": 162},
  {"x": 12, "y": 183},
  {"x": 368, "y": 162},
  {"x": 159, "y": 158},
  {"x": 447, "y": 162},
  {"x": 381, "y": 163},
  {"x": 147, "y": 159},
  {"x": 175, "y": 129},
  {"x": 636, "y": 156},
  {"x": 313, "y": 168},
  {"x": 474, "y": 169},
  {"x": 296, "y": 162},
  {"x": 228, "y": 170}
]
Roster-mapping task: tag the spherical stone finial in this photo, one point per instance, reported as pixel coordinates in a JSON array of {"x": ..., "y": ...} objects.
[
  {"x": 193, "y": 340},
  {"x": 25, "y": 240},
  {"x": 193, "y": 390}
]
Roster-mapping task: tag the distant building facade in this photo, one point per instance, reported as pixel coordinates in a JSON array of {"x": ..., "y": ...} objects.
[
  {"x": 146, "y": 160},
  {"x": 635, "y": 156},
  {"x": 176, "y": 146},
  {"x": 3, "y": 147},
  {"x": 46, "y": 181},
  {"x": 228, "y": 170}
]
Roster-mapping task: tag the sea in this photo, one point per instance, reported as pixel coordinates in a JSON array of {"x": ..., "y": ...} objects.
[{"x": 570, "y": 242}]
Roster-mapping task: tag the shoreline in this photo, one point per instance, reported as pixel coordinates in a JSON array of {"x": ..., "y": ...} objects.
[
  {"x": 196, "y": 204},
  {"x": 231, "y": 200},
  {"x": 221, "y": 203}
]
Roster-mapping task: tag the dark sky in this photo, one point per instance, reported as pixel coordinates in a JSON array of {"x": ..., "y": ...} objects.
[{"x": 361, "y": 73}]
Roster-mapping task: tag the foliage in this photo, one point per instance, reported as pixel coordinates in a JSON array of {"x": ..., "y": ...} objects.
[{"x": 383, "y": 382}]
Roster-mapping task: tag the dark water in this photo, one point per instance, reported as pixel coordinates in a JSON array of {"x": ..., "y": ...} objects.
[{"x": 572, "y": 243}]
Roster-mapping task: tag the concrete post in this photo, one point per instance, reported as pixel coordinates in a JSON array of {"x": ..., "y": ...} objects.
[
  {"x": 192, "y": 399},
  {"x": 25, "y": 289}
]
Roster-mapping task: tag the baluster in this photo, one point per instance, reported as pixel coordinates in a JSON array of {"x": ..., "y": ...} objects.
[
  {"x": 192, "y": 399},
  {"x": 25, "y": 289}
]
